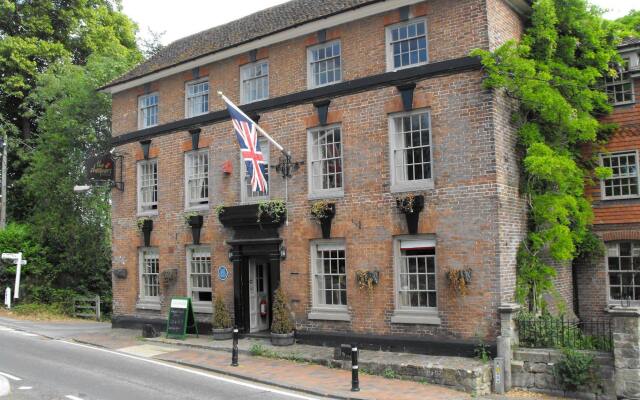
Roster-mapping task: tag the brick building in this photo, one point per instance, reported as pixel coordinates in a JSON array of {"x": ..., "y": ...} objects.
[
  {"x": 375, "y": 100},
  {"x": 616, "y": 200}
]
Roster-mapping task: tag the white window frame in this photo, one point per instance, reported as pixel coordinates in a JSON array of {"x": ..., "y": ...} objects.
[
  {"x": 330, "y": 312},
  {"x": 620, "y": 81},
  {"x": 310, "y": 74},
  {"x": 199, "y": 306},
  {"x": 398, "y": 185},
  {"x": 389, "y": 42},
  {"x": 316, "y": 192},
  {"x": 200, "y": 203},
  {"x": 246, "y": 195},
  {"x": 243, "y": 95},
  {"x": 413, "y": 315},
  {"x": 144, "y": 301},
  {"x": 603, "y": 195},
  {"x": 142, "y": 123},
  {"x": 188, "y": 98},
  {"x": 146, "y": 208},
  {"x": 635, "y": 245}
]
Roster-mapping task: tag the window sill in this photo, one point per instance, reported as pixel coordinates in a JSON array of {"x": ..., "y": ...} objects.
[
  {"x": 203, "y": 308},
  {"x": 390, "y": 68},
  {"x": 626, "y": 103},
  {"x": 148, "y": 305},
  {"x": 310, "y": 86},
  {"x": 147, "y": 213},
  {"x": 613, "y": 198},
  {"x": 400, "y": 317},
  {"x": 201, "y": 207},
  {"x": 409, "y": 187},
  {"x": 329, "y": 315},
  {"x": 326, "y": 195}
]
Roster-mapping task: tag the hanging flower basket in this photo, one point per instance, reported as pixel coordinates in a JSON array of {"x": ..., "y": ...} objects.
[
  {"x": 459, "y": 280},
  {"x": 146, "y": 226},
  {"x": 195, "y": 222},
  {"x": 410, "y": 206},
  {"x": 323, "y": 212}
]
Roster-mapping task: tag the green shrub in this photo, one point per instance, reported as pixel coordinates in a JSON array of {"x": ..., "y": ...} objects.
[
  {"x": 574, "y": 370},
  {"x": 389, "y": 373},
  {"x": 221, "y": 317},
  {"x": 282, "y": 322},
  {"x": 42, "y": 311}
]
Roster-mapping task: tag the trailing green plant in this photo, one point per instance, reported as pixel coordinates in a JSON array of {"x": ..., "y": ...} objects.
[
  {"x": 282, "y": 322},
  {"x": 221, "y": 316},
  {"x": 187, "y": 216},
  {"x": 321, "y": 209},
  {"x": 553, "y": 77},
  {"x": 406, "y": 204},
  {"x": 276, "y": 209},
  {"x": 219, "y": 209},
  {"x": 575, "y": 369},
  {"x": 140, "y": 222},
  {"x": 390, "y": 373}
]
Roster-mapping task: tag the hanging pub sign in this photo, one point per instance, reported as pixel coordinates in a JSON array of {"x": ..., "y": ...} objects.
[
  {"x": 181, "y": 318},
  {"x": 102, "y": 168}
]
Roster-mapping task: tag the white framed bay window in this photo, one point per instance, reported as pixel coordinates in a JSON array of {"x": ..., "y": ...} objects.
[
  {"x": 197, "y": 98},
  {"x": 254, "y": 81},
  {"x": 411, "y": 151},
  {"x": 623, "y": 182},
  {"x": 329, "y": 280},
  {"x": 325, "y": 162},
  {"x": 147, "y": 181},
  {"x": 196, "y": 173},
  {"x": 623, "y": 269},
  {"x": 199, "y": 279},
  {"x": 415, "y": 273},
  {"x": 149, "y": 278}
]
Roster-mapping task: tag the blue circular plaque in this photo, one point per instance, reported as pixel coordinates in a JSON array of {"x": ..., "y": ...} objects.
[{"x": 223, "y": 273}]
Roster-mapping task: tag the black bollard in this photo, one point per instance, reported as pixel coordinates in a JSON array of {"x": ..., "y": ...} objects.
[
  {"x": 355, "y": 382},
  {"x": 234, "y": 351}
]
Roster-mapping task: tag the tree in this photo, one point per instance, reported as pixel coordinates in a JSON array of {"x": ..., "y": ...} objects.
[
  {"x": 630, "y": 23},
  {"x": 554, "y": 74}
]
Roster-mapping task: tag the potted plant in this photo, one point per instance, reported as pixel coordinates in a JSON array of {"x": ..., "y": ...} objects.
[
  {"x": 146, "y": 226},
  {"x": 195, "y": 221},
  {"x": 271, "y": 211},
  {"x": 410, "y": 206},
  {"x": 222, "y": 329},
  {"x": 323, "y": 212},
  {"x": 282, "y": 326}
]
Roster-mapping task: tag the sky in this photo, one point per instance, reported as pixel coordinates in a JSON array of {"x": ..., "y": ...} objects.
[{"x": 182, "y": 18}]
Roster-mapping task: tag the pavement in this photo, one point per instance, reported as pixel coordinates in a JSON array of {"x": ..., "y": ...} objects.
[{"x": 297, "y": 374}]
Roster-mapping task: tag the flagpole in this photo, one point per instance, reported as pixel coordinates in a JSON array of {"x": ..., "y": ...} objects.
[{"x": 258, "y": 128}]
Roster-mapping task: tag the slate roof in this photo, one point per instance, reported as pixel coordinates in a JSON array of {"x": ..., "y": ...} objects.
[
  {"x": 260, "y": 24},
  {"x": 630, "y": 41}
]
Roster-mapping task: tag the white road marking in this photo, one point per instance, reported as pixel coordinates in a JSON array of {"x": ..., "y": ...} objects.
[
  {"x": 70, "y": 397},
  {"x": 13, "y": 378},
  {"x": 25, "y": 333},
  {"x": 5, "y": 329},
  {"x": 25, "y": 388},
  {"x": 203, "y": 374}
]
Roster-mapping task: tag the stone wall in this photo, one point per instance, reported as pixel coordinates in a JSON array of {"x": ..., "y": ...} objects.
[{"x": 532, "y": 369}]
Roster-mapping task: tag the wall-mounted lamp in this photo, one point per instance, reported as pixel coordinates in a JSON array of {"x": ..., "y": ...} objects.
[
  {"x": 283, "y": 252},
  {"x": 230, "y": 255}
]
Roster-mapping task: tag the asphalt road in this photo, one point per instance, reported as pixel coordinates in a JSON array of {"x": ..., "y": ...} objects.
[{"x": 46, "y": 368}]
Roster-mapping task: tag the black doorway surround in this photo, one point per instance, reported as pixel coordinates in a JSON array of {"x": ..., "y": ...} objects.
[{"x": 251, "y": 239}]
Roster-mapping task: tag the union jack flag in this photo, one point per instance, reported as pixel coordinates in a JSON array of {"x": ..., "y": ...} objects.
[{"x": 247, "y": 136}]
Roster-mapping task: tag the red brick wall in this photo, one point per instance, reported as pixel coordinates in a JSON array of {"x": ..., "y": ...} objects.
[{"x": 475, "y": 210}]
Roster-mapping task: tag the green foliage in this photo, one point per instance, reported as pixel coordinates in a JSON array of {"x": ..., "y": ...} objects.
[
  {"x": 389, "y": 373},
  {"x": 41, "y": 311},
  {"x": 630, "y": 23},
  {"x": 554, "y": 75},
  {"x": 575, "y": 369},
  {"x": 282, "y": 322},
  {"x": 547, "y": 331},
  {"x": 481, "y": 352},
  {"x": 221, "y": 316},
  {"x": 276, "y": 209}
]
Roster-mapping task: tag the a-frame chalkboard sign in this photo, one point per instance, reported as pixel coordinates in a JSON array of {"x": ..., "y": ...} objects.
[{"x": 181, "y": 318}]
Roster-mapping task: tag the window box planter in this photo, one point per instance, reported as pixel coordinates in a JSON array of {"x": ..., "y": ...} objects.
[
  {"x": 324, "y": 212},
  {"x": 283, "y": 339},
  {"x": 195, "y": 222},
  {"x": 411, "y": 206},
  {"x": 146, "y": 226},
  {"x": 222, "y": 333}
]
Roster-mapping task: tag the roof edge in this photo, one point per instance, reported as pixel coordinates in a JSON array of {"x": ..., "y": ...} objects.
[
  {"x": 297, "y": 30},
  {"x": 522, "y": 7}
]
